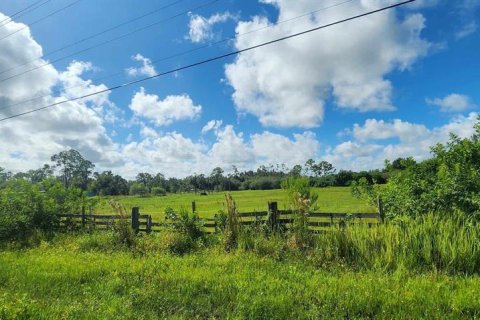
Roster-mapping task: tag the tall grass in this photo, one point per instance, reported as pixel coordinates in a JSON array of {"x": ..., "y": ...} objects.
[
  {"x": 429, "y": 243},
  {"x": 62, "y": 280}
]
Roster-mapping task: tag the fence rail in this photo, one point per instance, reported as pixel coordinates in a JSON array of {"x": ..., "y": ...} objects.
[{"x": 273, "y": 217}]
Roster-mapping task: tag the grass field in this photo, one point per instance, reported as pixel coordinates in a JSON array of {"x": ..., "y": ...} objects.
[
  {"x": 330, "y": 200},
  {"x": 73, "y": 280}
]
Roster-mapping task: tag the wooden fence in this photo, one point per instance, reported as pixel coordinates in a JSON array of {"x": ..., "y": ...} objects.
[{"x": 317, "y": 221}]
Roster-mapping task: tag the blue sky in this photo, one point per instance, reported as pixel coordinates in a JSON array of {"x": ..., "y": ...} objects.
[{"x": 377, "y": 88}]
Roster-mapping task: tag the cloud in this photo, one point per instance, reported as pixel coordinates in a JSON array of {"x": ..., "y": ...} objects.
[
  {"x": 164, "y": 112},
  {"x": 15, "y": 51},
  {"x": 200, "y": 28},
  {"x": 29, "y": 141},
  {"x": 212, "y": 125},
  {"x": 147, "y": 68},
  {"x": 366, "y": 151},
  {"x": 275, "y": 148},
  {"x": 176, "y": 155},
  {"x": 452, "y": 103},
  {"x": 288, "y": 84},
  {"x": 468, "y": 29},
  {"x": 380, "y": 130},
  {"x": 78, "y": 124}
]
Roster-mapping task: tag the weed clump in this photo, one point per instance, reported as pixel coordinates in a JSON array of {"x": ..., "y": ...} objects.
[{"x": 186, "y": 231}]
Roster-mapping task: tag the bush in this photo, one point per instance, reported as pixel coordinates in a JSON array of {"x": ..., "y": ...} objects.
[
  {"x": 138, "y": 189},
  {"x": 24, "y": 208},
  {"x": 187, "y": 231},
  {"x": 446, "y": 183},
  {"x": 122, "y": 230},
  {"x": 301, "y": 199},
  {"x": 158, "y": 191}
]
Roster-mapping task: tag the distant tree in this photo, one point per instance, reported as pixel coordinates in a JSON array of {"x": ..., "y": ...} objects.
[
  {"x": 216, "y": 179},
  {"x": 309, "y": 167},
  {"x": 108, "y": 184},
  {"x": 296, "y": 171},
  {"x": 4, "y": 176},
  {"x": 40, "y": 174},
  {"x": 399, "y": 164},
  {"x": 159, "y": 181},
  {"x": 74, "y": 169},
  {"x": 344, "y": 178},
  {"x": 146, "y": 179},
  {"x": 323, "y": 168}
]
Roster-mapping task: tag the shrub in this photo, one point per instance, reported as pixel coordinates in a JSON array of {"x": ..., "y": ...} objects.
[
  {"x": 122, "y": 230},
  {"x": 158, "y": 191},
  {"x": 138, "y": 189},
  {"x": 187, "y": 231},
  {"x": 446, "y": 183},
  {"x": 24, "y": 209},
  {"x": 301, "y": 199}
]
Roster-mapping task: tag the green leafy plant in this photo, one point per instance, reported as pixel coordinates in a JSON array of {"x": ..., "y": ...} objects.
[
  {"x": 232, "y": 230},
  {"x": 122, "y": 229},
  {"x": 187, "y": 232},
  {"x": 302, "y": 200}
]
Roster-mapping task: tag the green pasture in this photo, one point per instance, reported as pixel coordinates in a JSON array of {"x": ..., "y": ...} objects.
[
  {"x": 337, "y": 200},
  {"x": 73, "y": 280}
]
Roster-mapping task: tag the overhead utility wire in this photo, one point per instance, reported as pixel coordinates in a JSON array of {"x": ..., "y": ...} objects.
[
  {"x": 41, "y": 19},
  {"x": 220, "y": 57},
  {"x": 208, "y": 45},
  {"x": 93, "y": 36},
  {"x": 110, "y": 40},
  {"x": 22, "y": 12}
]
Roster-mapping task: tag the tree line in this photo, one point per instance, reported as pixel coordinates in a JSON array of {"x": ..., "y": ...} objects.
[{"x": 73, "y": 170}]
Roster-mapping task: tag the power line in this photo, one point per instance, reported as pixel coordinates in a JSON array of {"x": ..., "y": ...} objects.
[
  {"x": 220, "y": 57},
  {"x": 93, "y": 35},
  {"x": 110, "y": 40},
  {"x": 41, "y": 19},
  {"x": 208, "y": 45},
  {"x": 22, "y": 12}
]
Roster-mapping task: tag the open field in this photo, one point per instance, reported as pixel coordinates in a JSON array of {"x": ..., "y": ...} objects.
[
  {"x": 73, "y": 280},
  {"x": 330, "y": 200}
]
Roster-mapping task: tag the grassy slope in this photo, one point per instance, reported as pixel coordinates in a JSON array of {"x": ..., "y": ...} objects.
[
  {"x": 62, "y": 281},
  {"x": 330, "y": 200}
]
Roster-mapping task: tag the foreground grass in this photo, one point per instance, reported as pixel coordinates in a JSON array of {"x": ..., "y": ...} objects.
[
  {"x": 78, "y": 278},
  {"x": 337, "y": 199}
]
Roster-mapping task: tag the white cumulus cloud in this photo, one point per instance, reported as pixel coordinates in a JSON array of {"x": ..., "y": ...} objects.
[
  {"x": 452, "y": 103},
  {"x": 212, "y": 125},
  {"x": 164, "y": 112},
  {"x": 365, "y": 151},
  {"x": 201, "y": 28},
  {"x": 147, "y": 68},
  {"x": 288, "y": 84}
]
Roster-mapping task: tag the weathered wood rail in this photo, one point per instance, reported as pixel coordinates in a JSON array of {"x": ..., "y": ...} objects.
[{"x": 317, "y": 221}]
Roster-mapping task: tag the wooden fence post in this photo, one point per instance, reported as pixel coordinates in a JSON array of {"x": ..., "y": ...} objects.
[
  {"x": 135, "y": 219},
  {"x": 149, "y": 224},
  {"x": 381, "y": 213},
  {"x": 273, "y": 214},
  {"x": 194, "y": 207},
  {"x": 83, "y": 217}
]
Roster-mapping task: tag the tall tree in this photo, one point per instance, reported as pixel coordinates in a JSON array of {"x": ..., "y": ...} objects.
[
  {"x": 40, "y": 174},
  {"x": 74, "y": 169},
  {"x": 146, "y": 179}
]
